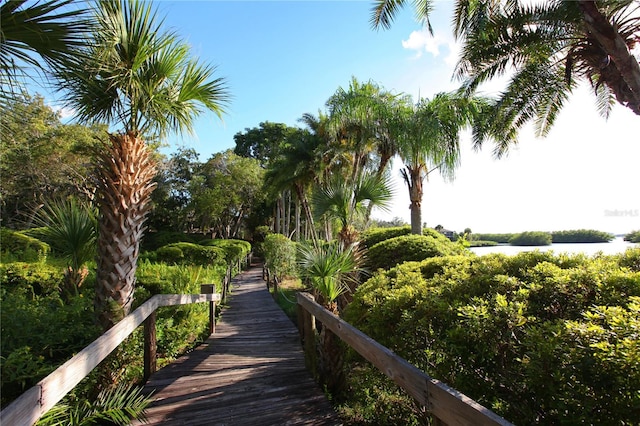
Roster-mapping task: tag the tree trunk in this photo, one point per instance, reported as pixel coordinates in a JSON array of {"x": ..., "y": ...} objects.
[
  {"x": 125, "y": 172},
  {"x": 627, "y": 91},
  {"x": 415, "y": 195}
]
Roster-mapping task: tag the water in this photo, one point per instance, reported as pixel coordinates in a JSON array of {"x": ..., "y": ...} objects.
[{"x": 618, "y": 245}]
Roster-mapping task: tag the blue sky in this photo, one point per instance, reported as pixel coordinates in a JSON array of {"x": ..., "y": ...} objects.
[{"x": 283, "y": 59}]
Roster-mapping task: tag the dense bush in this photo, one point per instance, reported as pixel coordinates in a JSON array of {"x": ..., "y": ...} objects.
[
  {"x": 373, "y": 236},
  {"x": 36, "y": 279},
  {"x": 391, "y": 252},
  {"x": 16, "y": 246},
  {"x": 189, "y": 253},
  {"x": 531, "y": 238},
  {"x": 39, "y": 333},
  {"x": 280, "y": 255},
  {"x": 581, "y": 236},
  {"x": 234, "y": 249},
  {"x": 154, "y": 240},
  {"x": 633, "y": 236},
  {"x": 539, "y": 338}
]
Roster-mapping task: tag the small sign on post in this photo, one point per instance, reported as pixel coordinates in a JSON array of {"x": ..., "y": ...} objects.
[{"x": 210, "y": 289}]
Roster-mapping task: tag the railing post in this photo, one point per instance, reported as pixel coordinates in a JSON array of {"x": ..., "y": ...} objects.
[
  {"x": 307, "y": 327},
  {"x": 210, "y": 289},
  {"x": 150, "y": 346},
  {"x": 275, "y": 287}
]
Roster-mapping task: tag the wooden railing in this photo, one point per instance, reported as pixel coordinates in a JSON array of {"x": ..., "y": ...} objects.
[
  {"x": 448, "y": 406},
  {"x": 36, "y": 401}
]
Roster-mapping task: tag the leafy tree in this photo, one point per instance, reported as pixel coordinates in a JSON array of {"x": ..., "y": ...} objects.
[
  {"x": 633, "y": 237},
  {"x": 172, "y": 195},
  {"x": 549, "y": 46},
  {"x": 42, "y": 159},
  {"x": 223, "y": 192},
  {"x": 262, "y": 143},
  {"x": 142, "y": 78}
]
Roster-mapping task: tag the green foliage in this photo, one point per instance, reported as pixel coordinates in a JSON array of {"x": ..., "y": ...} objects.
[
  {"x": 42, "y": 158},
  {"x": 633, "y": 236},
  {"x": 189, "y": 253},
  {"x": 30, "y": 279},
  {"x": 498, "y": 238},
  {"x": 155, "y": 240},
  {"x": 17, "y": 246},
  {"x": 581, "y": 236},
  {"x": 280, "y": 255},
  {"x": 117, "y": 406},
  {"x": 224, "y": 190},
  {"x": 533, "y": 336},
  {"x": 394, "y": 251},
  {"x": 531, "y": 238},
  {"x": 234, "y": 249},
  {"x": 259, "y": 235},
  {"x": 39, "y": 332},
  {"x": 373, "y": 236},
  {"x": 329, "y": 268}
]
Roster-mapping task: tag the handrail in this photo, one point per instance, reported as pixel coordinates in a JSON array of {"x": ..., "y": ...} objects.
[
  {"x": 446, "y": 404},
  {"x": 32, "y": 404}
]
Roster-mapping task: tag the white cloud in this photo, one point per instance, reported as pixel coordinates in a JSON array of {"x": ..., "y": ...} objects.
[{"x": 421, "y": 41}]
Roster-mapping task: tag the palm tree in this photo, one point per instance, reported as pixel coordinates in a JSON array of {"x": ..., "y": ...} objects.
[
  {"x": 70, "y": 228},
  {"x": 330, "y": 269},
  {"x": 428, "y": 138},
  {"x": 297, "y": 166},
  {"x": 143, "y": 79},
  {"x": 357, "y": 124},
  {"x": 40, "y": 36},
  {"x": 548, "y": 46},
  {"x": 347, "y": 201}
]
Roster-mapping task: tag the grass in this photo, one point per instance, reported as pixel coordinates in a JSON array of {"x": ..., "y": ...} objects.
[{"x": 286, "y": 297}]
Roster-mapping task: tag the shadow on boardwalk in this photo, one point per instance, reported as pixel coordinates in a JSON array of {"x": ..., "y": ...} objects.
[{"x": 250, "y": 372}]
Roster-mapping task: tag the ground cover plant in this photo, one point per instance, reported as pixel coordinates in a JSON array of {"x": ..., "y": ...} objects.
[
  {"x": 539, "y": 338},
  {"x": 41, "y": 329}
]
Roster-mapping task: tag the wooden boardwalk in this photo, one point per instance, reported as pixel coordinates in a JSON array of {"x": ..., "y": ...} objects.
[{"x": 250, "y": 372}]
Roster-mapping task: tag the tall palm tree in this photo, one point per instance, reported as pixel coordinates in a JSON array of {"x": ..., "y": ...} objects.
[
  {"x": 297, "y": 167},
  {"x": 428, "y": 138},
  {"x": 357, "y": 125},
  {"x": 548, "y": 47},
  {"x": 142, "y": 78}
]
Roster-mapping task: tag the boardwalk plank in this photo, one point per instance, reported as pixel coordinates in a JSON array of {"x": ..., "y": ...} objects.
[{"x": 251, "y": 372}]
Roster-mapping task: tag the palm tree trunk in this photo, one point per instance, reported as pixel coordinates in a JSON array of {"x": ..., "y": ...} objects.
[
  {"x": 415, "y": 195},
  {"x": 125, "y": 182},
  {"x": 614, "y": 45}
]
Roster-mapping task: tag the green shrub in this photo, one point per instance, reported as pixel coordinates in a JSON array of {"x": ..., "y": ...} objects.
[
  {"x": 280, "y": 255},
  {"x": 531, "y": 238},
  {"x": 152, "y": 241},
  {"x": 234, "y": 249},
  {"x": 19, "y": 247},
  {"x": 39, "y": 334},
  {"x": 31, "y": 278},
  {"x": 374, "y": 236},
  {"x": 581, "y": 236},
  {"x": 189, "y": 253},
  {"x": 394, "y": 251},
  {"x": 538, "y": 338},
  {"x": 633, "y": 236}
]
